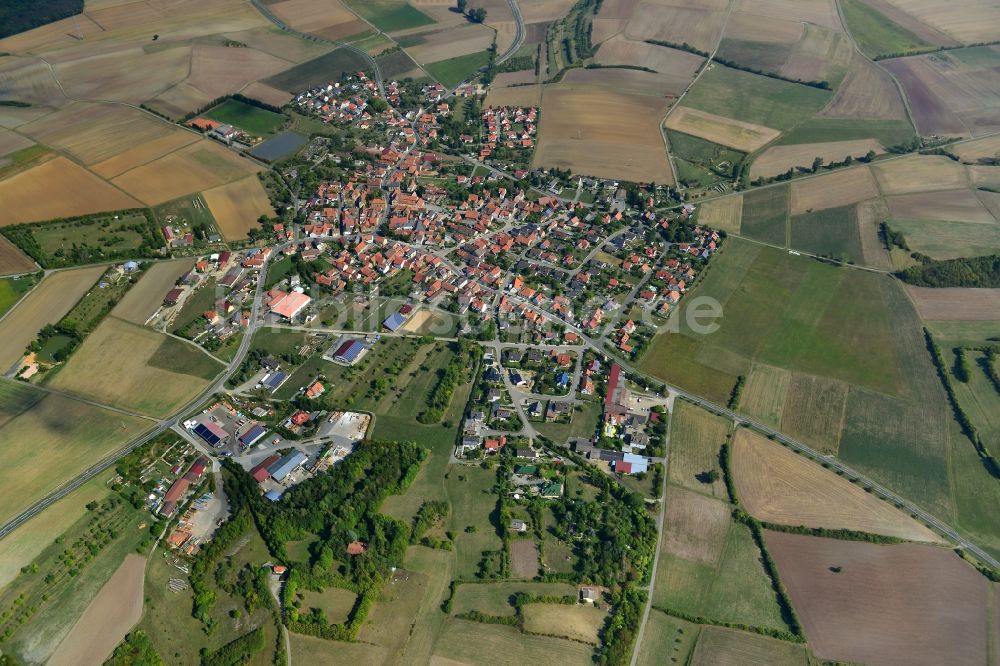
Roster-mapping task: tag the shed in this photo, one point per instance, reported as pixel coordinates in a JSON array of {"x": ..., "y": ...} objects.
[
  {"x": 394, "y": 321},
  {"x": 273, "y": 495},
  {"x": 286, "y": 465}
]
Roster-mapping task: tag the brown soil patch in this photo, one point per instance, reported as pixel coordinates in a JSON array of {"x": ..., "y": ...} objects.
[
  {"x": 697, "y": 27},
  {"x": 113, "y": 612},
  {"x": 954, "y": 205},
  {"x": 57, "y": 188},
  {"x": 866, "y": 92},
  {"x": 533, "y": 11},
  {"x": 737, "y": 134},
  {"x": 507, "y": 79},
  {"x": 837, "y": 188},
  {"x": 895, "y": 605},
  {"x": 237, "y": 206},
  {"x": 12, "y": 260},
  {"x": 144, "y": 298},
  {"x": 45, "y": 304},
  {"x": 265, "y": 93},
  {"x": 821, "y": 54},
  {"x": 602, "y": 134},
  {"x": 956, "y": 303},
  {"x": 604, "y": 29},
  {"x": 221, "y": 70},
  {"x": 725, "y": 213},
  {"x": 696, "y": 526},
  {"x": 451, "y": 43},
  {"x": 920, "y": 173},
  {"x": 523, "y": 558},
  {"x": 778, "y": 486},
  {"x": 757, "y": 28},
  {"x": 819, "y": 12},
  {"x": 197, "y": 167},
  {"x": 779, "y": 159}
]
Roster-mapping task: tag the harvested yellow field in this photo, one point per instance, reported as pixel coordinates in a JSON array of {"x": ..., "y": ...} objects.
[
  {"x": 533, "y": 11},
  {"x": 696, "y": 526},
  {"x": 956, "y": 303},
  {"x": 951, "y": 205},
  {"x": 779, "y": 486},
  {"x": 973, "y": 151},
  {"x": 763, "y": 396},
  {"x": 265, "y": 93},
  {"x": 143, "y": 154},
  {"x": 758, "y": 28},
  {"x": 451, "y": 43},
  {"x": 126, "y": 74},
  {"x": 92, "y": 133},
  {"x": 125, "y": 365},
  {"x": 920, "y": 173},
  {"x": 312, "y": 15},
  {"x": 57, "y": 188},
  {"x": 141, "y": 301},
  {"x": 971, "y": 22},
  {"x": 191, "y": 169},
  {"x": 45, "y": 304},
  {"x": 696, "y": 437},
  {"x": 222, "y": 70},
  {"x": 674, "y": 69},
  {"x": 837, "y": 188},
  {"x": 516, "y": 96},
  {"x": 779, "y": 159},
  {"x": 725, "y": 213},
  {"x": 237, "y": 206},
  {"x": 985, "y": 177},
  {"x": 576, "y": 621},
  {"x": 737, "y": 134},
  {"x": 870, "y": 214},
  {"x": 603, "y": 134}
]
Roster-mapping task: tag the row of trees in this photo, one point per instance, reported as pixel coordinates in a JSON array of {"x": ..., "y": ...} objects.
[{"x": 968, "y": 272}]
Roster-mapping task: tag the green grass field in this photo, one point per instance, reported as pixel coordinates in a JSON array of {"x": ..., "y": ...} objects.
[
  {"x": 494, "y": 598},
  {"x": 832, "y": 232},
  {"x": 191, "y": 211},
  {"x": 390, "y": 15},
  {"x": 949, "y": 240},
  {"x": 474, "y": 643},
  {"x": 876, "y": 34},
  {"x": 11, "y": 291},
  {"x": 820, "y": 130},
  {"x": 583, "y": 424},
  {"x": 335, "y": 603},
  {"x": 717, "y": 645},
  {"x": 326, "y": 68},
  {"x": 964, "y": 333},
  {"x": 470, "y": 490},
  {"x": 667, "y": 640},
  {"x": 765, "y": 56},
  {"x": 254, "y": 120},
  {"x": 765, "y": 215},
  {"x": 453, "y": 71},
  {"x": 755, "y": 99}
]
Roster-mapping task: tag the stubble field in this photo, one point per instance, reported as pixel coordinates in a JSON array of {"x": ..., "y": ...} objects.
[
  {"x": 142, "y": 300},
  {"x": 779, "y": 159},
  {"x": 743, "y": 136},
  {"x": 779, "y": 486},
  {"x": 584, "y": 130},
  {"x": 837, "y": 188},
  {"x": 237, "y": 206}
]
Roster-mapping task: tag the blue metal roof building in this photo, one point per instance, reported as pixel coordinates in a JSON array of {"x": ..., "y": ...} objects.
[
  {"x": 349, "y": 351},
  {"x": 286, "y": 465},
  {"x": 251, "y": 436},
  {"x": 211, "y": 433},
  {"x": 273, "y": 495},
  {"x": 394, "y": 321}
]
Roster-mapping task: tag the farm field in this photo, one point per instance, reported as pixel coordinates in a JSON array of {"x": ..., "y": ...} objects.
[
  {"x": 935, "y": 613},
  {"x": 956, "y": 304},
  {"x": 119, "y": 361},
  {"x": 390, "y": 15},
  {"x": 868, "y": 98},
  {"x": 11, "y": 291},
  {"x": 321, "y": 69},
  {"x": 777, "y": 160},
  {"x": 832, "y": 232},
  {"x": 237, "y": 206},
  {"x": 952, "y": 92},
  {"x": 577, "y": 132},
  {"x": 331, "y": 20},
  {"x": 980, "y": 149},
  {"x": 949, "y": 240},
  {"x": 70, "y": 435},
  {"x": 765, "y": 393},
  {"x": 699, "y": 26},
  {"x": 27, "y": 196},
  {"x": 194, "y": 168},
  {"x": 727, "y": 647},
  {"x": 112, "y": 613},
  {"x": 765, "y": 215},
  {"x": 674, "y": 68},
  {"x": 778, "y": 486},
  {"x": 755, "y": 99},
  {"x": 837, "y": 188},
  {"x": 453, "y": 71},
  {"x": 742, "y": 136},
  {"x": 46, "y": 304},
  {"x": 920, "y": 173},
  {"x": 470, "y": 642},
  {"x": 142, "y": 300},
  {"x": 953, "y": 205},
  {"x": 494, "y": 598},
  {"x": 695, "y": 441},
  {"x": 877, "y": 34},
  {"x": 666, "y": 635},
  {"x": 725, "y": 213},
  {"x": 576, "y": 622}
]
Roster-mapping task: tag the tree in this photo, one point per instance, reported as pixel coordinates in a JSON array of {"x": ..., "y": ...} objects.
[
  {"x": 477, "y": 15},
  {"x": 870, "y": 156},
  {"x": 462, "y": 4},
  {"x": 817, "y": 163}
]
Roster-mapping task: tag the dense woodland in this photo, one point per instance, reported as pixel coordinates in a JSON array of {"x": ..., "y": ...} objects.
[
  {"x": 971, "y": 272},
  {"x": 20, "y": 15}
]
